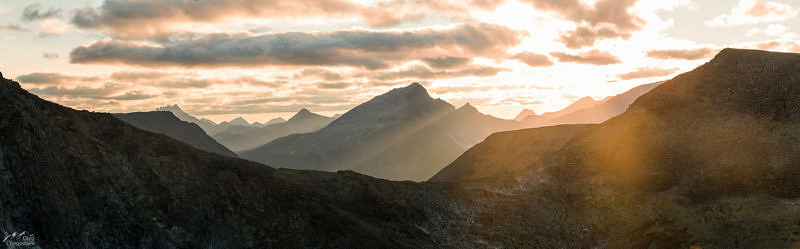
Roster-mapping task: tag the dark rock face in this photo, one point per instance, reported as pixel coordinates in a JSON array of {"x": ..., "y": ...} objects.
[{"x": 166, "y": 123}]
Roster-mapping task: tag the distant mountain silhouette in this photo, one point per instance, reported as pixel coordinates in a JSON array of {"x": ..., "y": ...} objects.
[
  {"x": 275, "y": 121},
  {"x": 524, "y": 114},
  {"x": 241, "y": 138},
  {"x": 166, "y": 123},
  {"x": 205, "y": 124},
  {"x": 542, "y": 119},
  {"x": 385, "y": 138},
  {"x": 239, "y": 121},
  {"x": 586, "y": 110},
  {"x": 362, "y": 133},
  {"x": 609, "y": 108}
]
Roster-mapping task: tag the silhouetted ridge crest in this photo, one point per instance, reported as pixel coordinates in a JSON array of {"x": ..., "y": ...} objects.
[
  {"x": 467, "y": 108},
  {"x": 302, "y": 114},
  {"x": 411, "y": 101}
]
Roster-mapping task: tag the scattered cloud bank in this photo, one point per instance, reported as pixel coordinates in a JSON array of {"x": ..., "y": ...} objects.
[
  {"x": 12, "y": 28},
  {"x": 47, "y": 55},
  {"x": 36, "y": 11},
  {"x": 647, "y": 72},
  {"x": 363, "y": 49},
  {"x": 533, "y": 59},
  {"x": 682, "y": 54},
  {"x": 158, "y": 19},
  {"x": 593, "y": 57},
  {"x": 754, "y": 12},
  {"x": 604, "y": 19}
]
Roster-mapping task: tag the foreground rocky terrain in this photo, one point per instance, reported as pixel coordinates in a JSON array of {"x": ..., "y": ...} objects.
[{"x": 709, "y": 159}]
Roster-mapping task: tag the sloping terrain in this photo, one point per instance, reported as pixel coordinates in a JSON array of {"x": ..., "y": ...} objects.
[
  {"x": 601, "y": 112},
  {"x": 166, "y": 123},
  {"x": 587, "y": 110},
  {"x": 420, "y": 155},
  {"x": 503, "y": 153},
  {"x": 541, "y": 120}
]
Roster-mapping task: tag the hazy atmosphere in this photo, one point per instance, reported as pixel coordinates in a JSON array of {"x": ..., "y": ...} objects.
[{"x": 267, "y": 59}]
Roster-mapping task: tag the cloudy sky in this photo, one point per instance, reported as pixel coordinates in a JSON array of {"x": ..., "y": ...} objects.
[{"x": 266, "y": 58}]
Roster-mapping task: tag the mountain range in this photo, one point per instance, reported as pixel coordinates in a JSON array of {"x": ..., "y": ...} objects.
[
  {"x": 361, "y": 133},
  {"x": 407, "y": 135},
  {"x": 707, "y": 159},
  {"x": 586, "y": 110},
  {"x": 388, "y": 136},
  {"x": 401, "y": 135},
  {"x": 242, "y": 138}
]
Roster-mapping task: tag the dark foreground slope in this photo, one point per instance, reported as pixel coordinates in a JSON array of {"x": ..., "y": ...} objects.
[
  {"x": 166, "y": 123},
  {"x": 79, "y": 179}
]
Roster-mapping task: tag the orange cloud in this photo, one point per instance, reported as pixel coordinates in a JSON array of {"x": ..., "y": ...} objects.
[
  {"x": 647, "y": 72},
  {"x": 533, "y": 59},
  {"x": 753, "y": 12},
  {"x": 682, "y": 54},
  {"x": 604, "y": 20},
  {"x": 593, "y": 57},
  {"x": 423, "y": 72}
]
